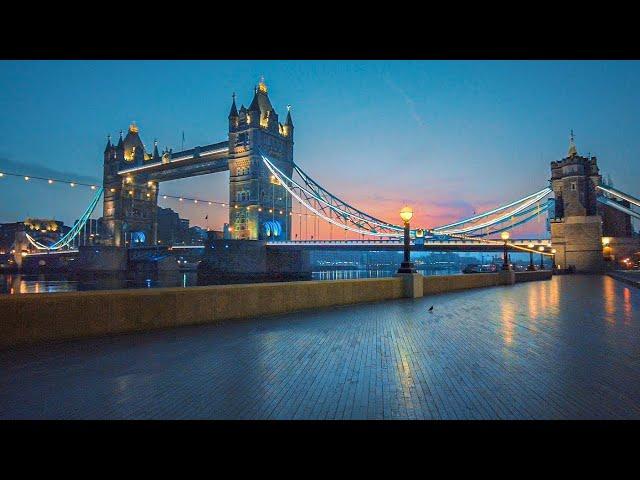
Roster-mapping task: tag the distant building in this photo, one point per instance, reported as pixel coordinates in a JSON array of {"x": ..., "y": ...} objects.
[{"x": 45, "y": 231}]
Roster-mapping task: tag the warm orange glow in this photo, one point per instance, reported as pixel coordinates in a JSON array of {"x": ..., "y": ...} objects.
[
  {"x": 504, "y": 236},
  {"x": 541, "y": 248},
  {"x": 406, "y": 214}
]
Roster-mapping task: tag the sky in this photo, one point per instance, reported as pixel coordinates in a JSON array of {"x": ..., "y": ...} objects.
[{"x": 447, "y": 137}]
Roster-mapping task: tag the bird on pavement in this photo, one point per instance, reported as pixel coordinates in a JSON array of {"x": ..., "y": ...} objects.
[{"x": 431, "y": 308}]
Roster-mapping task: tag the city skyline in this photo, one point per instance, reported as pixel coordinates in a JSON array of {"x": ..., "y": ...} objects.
[{"x": 427, "y": 128}]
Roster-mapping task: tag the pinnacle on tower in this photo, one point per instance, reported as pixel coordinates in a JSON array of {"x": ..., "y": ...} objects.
[
  {"x": 233, "y": 113},
  {"x": 289, "y": 121},
  {"x": 572, "y": 146},
  {"x": 109, "y": 146},
  {"x": 156, "y": 155},
  {"x": 120, "y": 141}
]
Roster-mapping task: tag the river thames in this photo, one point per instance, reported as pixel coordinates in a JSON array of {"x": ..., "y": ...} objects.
[{"x": 16, "y": 283}]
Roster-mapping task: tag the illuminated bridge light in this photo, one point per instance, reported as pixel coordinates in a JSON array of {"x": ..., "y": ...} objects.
[
  {"x": 164, "y": 196},
  {"x": 195, "y": 201},
  {"x": 50, "y": 181},
  {"x": 93, "y": 187},
  {"x": 1, "y": 174},
  {"x": 180, "y": 199},
  {"x": 72, "y": 184},
  {"x": 26, "y": 179}
]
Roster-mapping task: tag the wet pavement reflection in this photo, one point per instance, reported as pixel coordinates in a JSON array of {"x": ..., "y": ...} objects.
[{"x": 565, "y": 348}]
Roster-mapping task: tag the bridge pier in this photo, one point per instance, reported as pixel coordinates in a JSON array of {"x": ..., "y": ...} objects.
[
  {"x": 251, "y": 260},
  {"x": 576, "y": 226}
]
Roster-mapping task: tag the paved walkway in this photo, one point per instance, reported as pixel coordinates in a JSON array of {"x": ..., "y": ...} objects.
[{"x": 565, "y": 348}]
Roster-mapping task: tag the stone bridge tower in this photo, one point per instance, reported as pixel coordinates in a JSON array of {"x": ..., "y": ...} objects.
[
  {"x": 260, "y": 208},
  {"x": 130, "y": 201},
  {"x": 576, "y": 226}
]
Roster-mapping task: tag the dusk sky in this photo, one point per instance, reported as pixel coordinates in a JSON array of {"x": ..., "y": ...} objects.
[{"x": 447, "y": 137}]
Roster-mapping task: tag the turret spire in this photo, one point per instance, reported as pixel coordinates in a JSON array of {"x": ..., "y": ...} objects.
[
  {"x": 120, "y": 141},
  {"x": 156, "y": 155},
  {"x": 289, "y": 121},
  {"x": 109, "y": 146},
  {"x": 572, "y": 146},
  {"x": 233, "y": 113}
]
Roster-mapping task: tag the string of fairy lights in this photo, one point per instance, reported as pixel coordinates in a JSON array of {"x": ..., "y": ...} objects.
[
  {"x": 180, "y": 198},
  {"x": 208, "y": 202}
]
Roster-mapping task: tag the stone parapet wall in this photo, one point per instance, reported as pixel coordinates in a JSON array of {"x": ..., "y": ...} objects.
[{"x": 32, "y": 318}]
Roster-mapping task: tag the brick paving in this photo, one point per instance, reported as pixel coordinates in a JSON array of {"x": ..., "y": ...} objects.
[{"x": 565, "y": 348}]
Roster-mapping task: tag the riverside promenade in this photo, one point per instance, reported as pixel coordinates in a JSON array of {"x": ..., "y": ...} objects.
[{"x": 559, "y": 349}]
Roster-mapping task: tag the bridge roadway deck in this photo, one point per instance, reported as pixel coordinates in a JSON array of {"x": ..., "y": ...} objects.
[
  {"x": 565, "y": 348},
  {"x": 435, "y": 246}
]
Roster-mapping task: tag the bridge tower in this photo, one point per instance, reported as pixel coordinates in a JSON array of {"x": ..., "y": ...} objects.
[
  {"x": 260, "y": 208},
  {"x": 576, "y": 226},
  {"x": 130, "y": 201}
]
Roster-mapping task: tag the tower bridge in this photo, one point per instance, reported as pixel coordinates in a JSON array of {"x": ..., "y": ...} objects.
[
  {"x": 132, "y": 176},
  {"x": 589, "y": 220}
]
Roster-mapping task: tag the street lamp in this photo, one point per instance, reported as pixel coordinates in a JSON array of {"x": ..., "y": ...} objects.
[
  {"x": 531, "y": 266},
  {"x": 406, "y": 267},
  {"x": 553, "y": 251},
  {"x": 541, "y": 249},
  {"x": 505, "y": 258}
]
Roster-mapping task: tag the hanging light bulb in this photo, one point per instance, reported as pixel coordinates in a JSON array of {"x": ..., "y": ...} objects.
[{"x": 50, "y": 181}]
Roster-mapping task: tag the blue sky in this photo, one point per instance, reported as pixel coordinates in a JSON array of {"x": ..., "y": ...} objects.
[{"x": 448, "y": 137}]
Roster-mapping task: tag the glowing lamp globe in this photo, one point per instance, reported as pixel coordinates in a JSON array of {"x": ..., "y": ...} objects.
[
  {"x": 553, "y": 250},
  {"x": 541, "y": 248},
  {"x": 406, "y": 214},
  {"x": 419, "y": 233},
  {"x": 504, "y": 235},
  {"x": 531, "y": 245}
]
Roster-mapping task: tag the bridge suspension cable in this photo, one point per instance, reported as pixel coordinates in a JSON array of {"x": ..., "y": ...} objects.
[
  {"x": 523, "y": 204},
  {"x": 73, "y": 233},
  {"x": 530, "y": 214},
  {"x": 619, "y": 194},
  {"x": 330, "y": 208}
]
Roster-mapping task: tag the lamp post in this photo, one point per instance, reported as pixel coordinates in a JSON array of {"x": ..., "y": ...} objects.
[
  {"x": 541, "y": 249},
  {"x": 531, "y": 266},
  {"x": 505, "y": 257},
  {"x": 553, "y": 251},
  {"x": 407, "y": 266}
]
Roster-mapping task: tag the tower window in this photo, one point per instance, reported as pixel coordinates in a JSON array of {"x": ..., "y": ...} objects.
[{"x": 573, "y": 185}]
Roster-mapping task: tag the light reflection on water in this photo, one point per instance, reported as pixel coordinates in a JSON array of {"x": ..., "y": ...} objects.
[
  {"x": 55, "y": 283},
  {"x": 354, "y": 274},
  {"x": 14, "y": 283}
]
